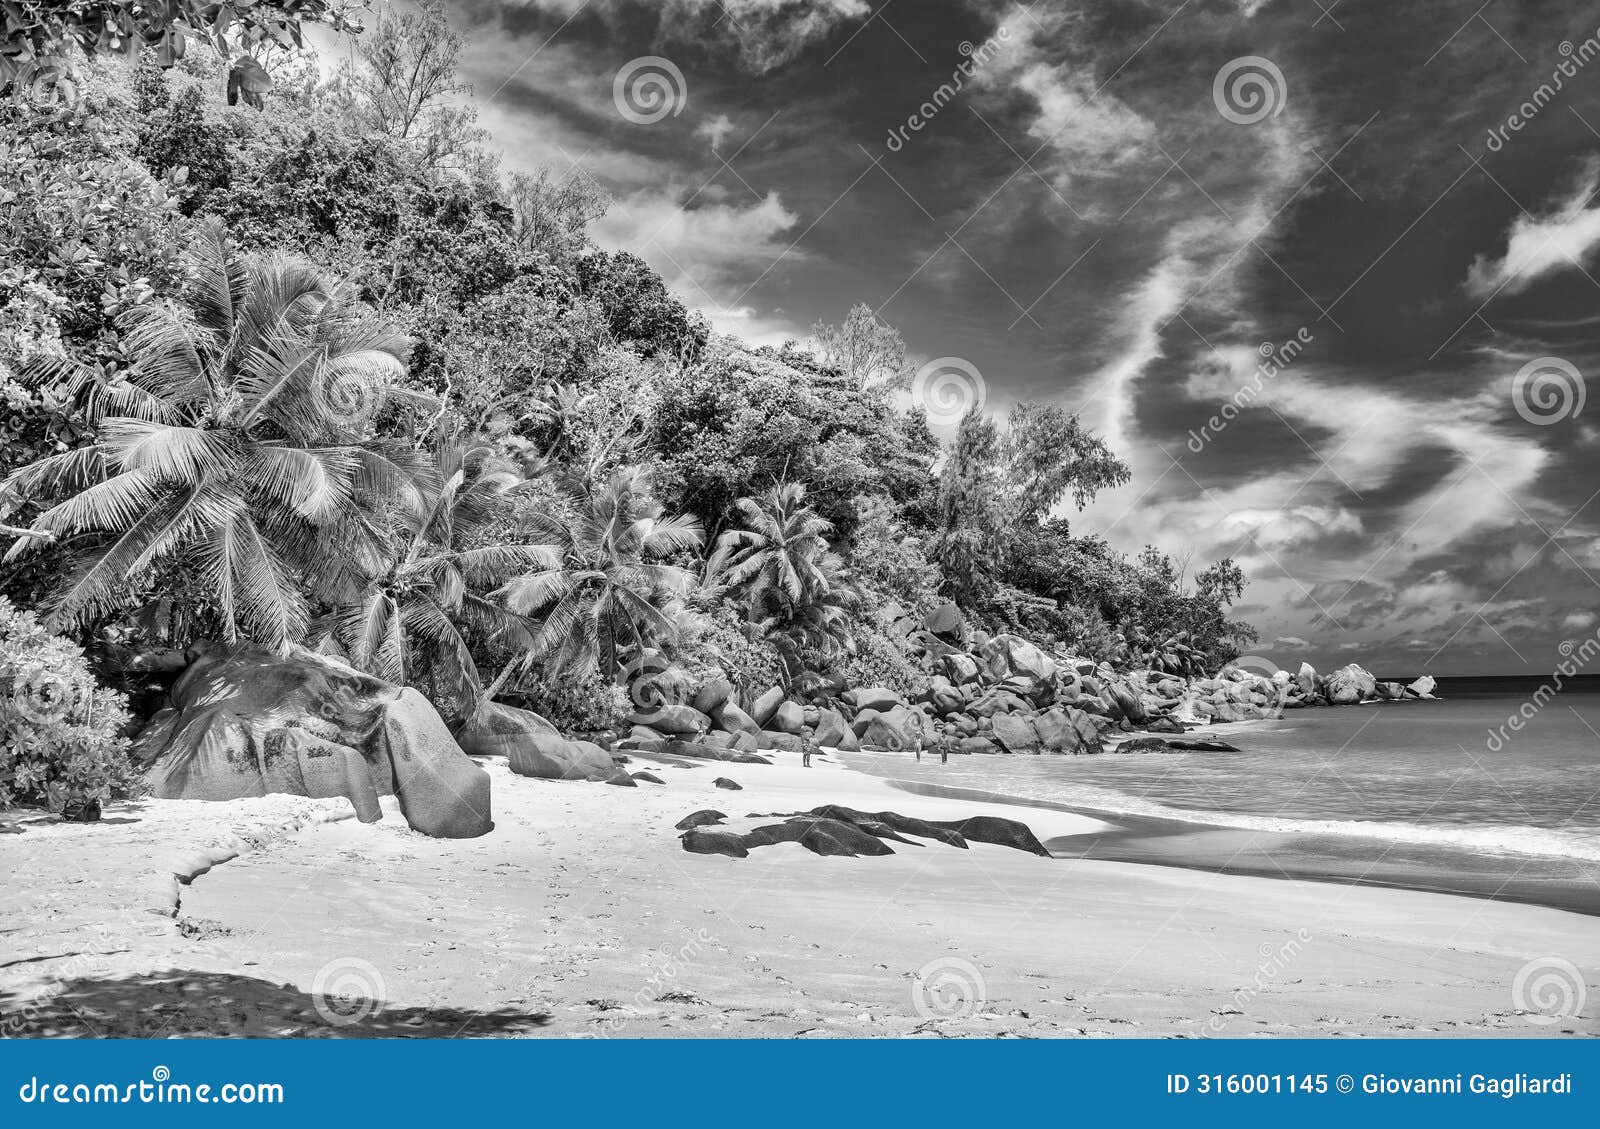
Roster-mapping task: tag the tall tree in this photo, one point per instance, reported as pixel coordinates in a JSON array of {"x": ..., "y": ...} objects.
[
  {"x": 403, "y": 82},
  {"x": 867, "y": 349},
  {"x": 422, "y": 615},
  {"x": 237, "y": 446},
  {"x": 604, "y": 585}
]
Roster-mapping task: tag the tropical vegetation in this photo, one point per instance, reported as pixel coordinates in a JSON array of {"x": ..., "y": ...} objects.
[{"x": 308, "y": 368}]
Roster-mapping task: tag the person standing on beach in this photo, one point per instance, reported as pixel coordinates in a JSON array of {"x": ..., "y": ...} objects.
[
  {"x": 805, "y": 745},
  {"x": 946, "y": 738}
]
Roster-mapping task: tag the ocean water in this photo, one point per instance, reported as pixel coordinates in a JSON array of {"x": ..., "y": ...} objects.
[{"x": 1442, "y": 795}]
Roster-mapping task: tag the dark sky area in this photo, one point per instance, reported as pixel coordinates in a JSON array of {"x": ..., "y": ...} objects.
[{"x": 1091, "y": 219}]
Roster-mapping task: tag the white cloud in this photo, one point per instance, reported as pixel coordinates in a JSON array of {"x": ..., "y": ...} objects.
[
  {"x": 1290, "y": 641},
  {"x": 1538, "y": 246},
  {"x": 708, "y": 255},
  {"x": 715, "y": 131}
]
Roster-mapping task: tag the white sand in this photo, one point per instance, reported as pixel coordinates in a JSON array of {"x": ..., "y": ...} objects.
[{"x": 581, "y": 906}]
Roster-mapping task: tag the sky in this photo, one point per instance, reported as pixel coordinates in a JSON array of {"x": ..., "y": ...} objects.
[{"x": 1129, "y": 208}]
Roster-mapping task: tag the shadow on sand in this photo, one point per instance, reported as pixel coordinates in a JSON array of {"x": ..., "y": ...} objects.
[{"x": 220, "y": 1005}]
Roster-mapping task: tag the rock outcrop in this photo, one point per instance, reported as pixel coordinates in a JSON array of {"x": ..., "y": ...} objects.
[
  {"x": 248, "y": 722},
  {"x": 837, "y": 830}
]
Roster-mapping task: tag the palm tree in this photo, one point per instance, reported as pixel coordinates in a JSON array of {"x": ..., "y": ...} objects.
[
  {"x": 430, "y": 604},
  {"x": 798, "y": 593},
  {"x": 235, "y": 448},
  {"x": 777, "y": 559},
  {"x": 601, "y": 586}
]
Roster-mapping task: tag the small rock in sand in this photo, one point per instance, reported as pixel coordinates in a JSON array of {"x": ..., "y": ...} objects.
[{"x": 730, "y": 785}]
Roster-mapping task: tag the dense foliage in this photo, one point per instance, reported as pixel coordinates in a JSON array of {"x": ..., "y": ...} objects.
[
  {"x": 61, "y": 742},
  {"x": 308, "y": 367}
]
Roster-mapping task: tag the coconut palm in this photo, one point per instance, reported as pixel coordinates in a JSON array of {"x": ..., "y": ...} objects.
[
  {"x": 430, "y": 604},
  {"x": 777, "y": 559},
  {"x": 235, "y": 448},
  {"x": 603, "y": 587},
  {"x": 797, "y": 592}
]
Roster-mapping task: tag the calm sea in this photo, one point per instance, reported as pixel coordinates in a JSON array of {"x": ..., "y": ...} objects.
[{"x": 1439, "y": 795}]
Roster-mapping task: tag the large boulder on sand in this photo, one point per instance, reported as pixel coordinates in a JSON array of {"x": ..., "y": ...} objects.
[
  {"x": 248, "y": 722},
  {"x": 1350, "y": 684},
  {"x": 531, "y": 745},
  {"x": 1307, "y": 680},
  {"x": 873, "y": 698},
  {"x": 896, "y": 729},
  {"x": 766, "y": 705},
  {"x": 1015, "y": 733},
  {"x": 1024, "y": 668},
  {"x": 833, "y": 732},
  {"x": 729, "y": 718},
  {"x": 788, "y": 718},
  {"x": 673, "y": 718},
  {"x": 1422, "y": 687}
]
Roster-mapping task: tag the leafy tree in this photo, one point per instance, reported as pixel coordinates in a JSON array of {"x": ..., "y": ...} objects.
[
  {"x": 236, "y": 446},
  {"x": 423, "y": 614},
  {"x": 553, "y": 214},
  {"x": 603, "y": 586},
  {"x": 795, "y": 589},
  {"x": 637, "y": 306},
  {"x": 864, "y": 348},
  {"x": 42, "y": 34},
  {"x": 736, "y": 422},
  {"x": 403, "y": 83}
]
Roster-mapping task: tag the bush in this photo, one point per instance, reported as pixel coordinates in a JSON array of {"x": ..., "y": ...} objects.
[
  {"x": 575, "y": 703},
  {"x": 61, "y": 742}
]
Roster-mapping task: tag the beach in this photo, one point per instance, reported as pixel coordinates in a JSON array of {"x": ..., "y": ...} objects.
[{"x": 580, "y": 915}]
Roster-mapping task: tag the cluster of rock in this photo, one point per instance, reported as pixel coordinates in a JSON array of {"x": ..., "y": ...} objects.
[
  {"x": 248, "y": 722},
  {"x": 837, "y": 830},
  {"x": 984, "y": 694}
]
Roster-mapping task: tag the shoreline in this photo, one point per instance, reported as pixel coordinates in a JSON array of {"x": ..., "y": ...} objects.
[
  {"x": 581, "y": 915},
  {"x": 1339, "y": 860}
]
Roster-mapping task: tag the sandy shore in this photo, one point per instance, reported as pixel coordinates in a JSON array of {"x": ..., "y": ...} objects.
[{"x": 580, "y": 915}]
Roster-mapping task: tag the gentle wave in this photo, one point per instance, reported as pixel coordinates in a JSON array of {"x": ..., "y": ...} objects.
[{"x": 1508, "y": 839}]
